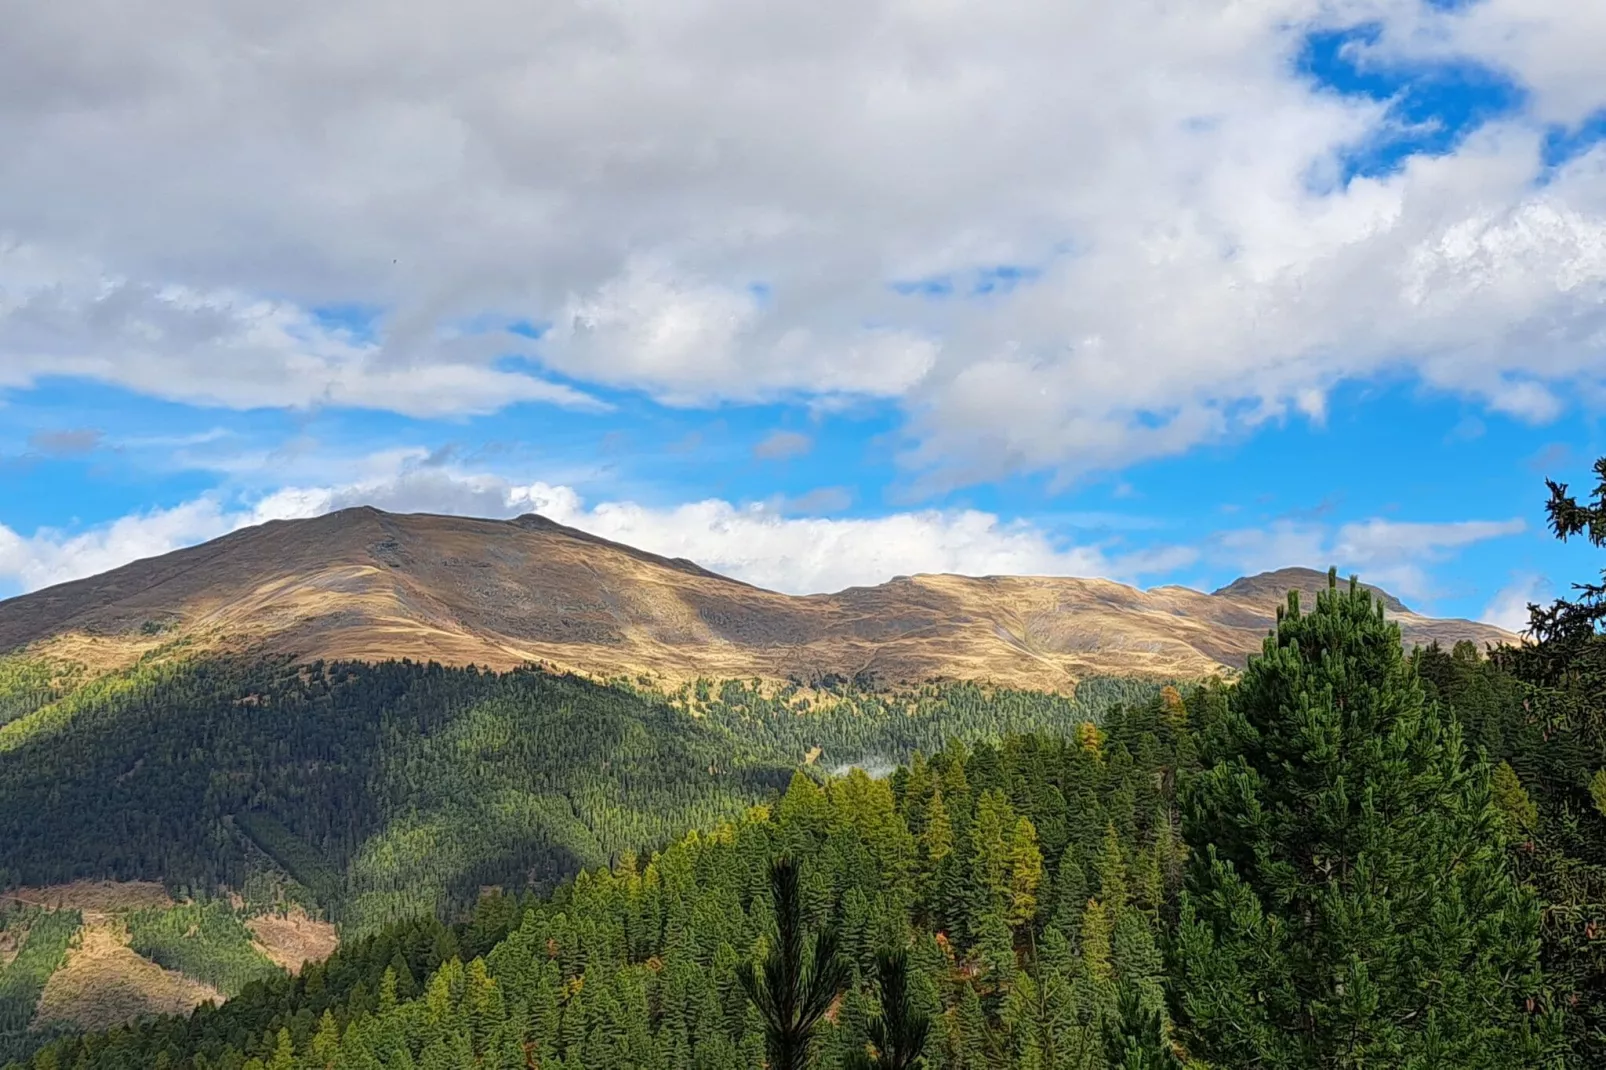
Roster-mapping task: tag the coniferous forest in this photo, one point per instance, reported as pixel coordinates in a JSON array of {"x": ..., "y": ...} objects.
[{"x": 1350, "y": 856}]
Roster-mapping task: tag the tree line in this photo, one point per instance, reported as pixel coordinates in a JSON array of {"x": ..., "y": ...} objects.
[{"x": 1349, "y": 857}]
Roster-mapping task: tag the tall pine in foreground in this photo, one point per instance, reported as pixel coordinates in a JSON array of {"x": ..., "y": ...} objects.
[
  {"x": 794, "y": 991},
  {"x": 1349, "y": 903}
]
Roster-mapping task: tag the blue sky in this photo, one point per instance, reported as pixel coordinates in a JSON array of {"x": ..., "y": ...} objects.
[{"x": 1165, "y": 296}]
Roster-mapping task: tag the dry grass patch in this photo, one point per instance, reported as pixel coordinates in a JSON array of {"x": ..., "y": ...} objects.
[
  {"x": 94, "y": 654},
  {"x": 103, "y": 984},
  {"x": 96, "y": 899},
  {"x": 293, "y": 940}
]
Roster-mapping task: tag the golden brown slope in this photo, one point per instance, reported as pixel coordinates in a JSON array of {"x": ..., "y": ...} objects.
[{"x": 367, "y": 585}]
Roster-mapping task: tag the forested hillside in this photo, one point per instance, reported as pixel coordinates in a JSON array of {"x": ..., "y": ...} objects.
[
  {"x": 378, "y": 792},
  {"x": 1068, "y": 843},
  {"x": 1348, "y": 857},
  {"x": 1326, "y": 864}
]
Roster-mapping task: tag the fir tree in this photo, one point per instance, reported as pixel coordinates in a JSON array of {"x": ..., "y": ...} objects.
[{"x": 1349, "y": 902}]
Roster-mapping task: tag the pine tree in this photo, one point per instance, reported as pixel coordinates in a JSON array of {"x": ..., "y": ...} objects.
[
  {"x": 796, "y": 989},
  {"x": 284, "y": 1052},
  {"x": 899, "y": 1033},
  {"x": 1135, "y": 1037},
  {"x": 1349, "y": 902},
  {"x": 1513, "y": 802},
  {"x": 937, "y": 837},
  {"x": 1025, "y": 872}
]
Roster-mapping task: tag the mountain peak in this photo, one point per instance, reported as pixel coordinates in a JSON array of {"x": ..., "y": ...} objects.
[
  {"x": 367, "y": 585},
  {"x": 1276, "y": 584}
]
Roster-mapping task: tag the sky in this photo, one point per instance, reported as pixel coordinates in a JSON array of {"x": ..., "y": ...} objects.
[{"x": 815, "y": 293}]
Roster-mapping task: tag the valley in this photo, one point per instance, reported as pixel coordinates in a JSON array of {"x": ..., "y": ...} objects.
[{"x": 219, "y": 764}]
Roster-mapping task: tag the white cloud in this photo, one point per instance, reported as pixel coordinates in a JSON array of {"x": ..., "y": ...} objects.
[
  {"x": 761, "y": 543},
  {"x": 222, "y": 347},
  {"x": 1391, "y": 554},
  {"x": 805, "y": 555},
  {"x": 52, "y": 556},
  {"x": 707, "y": 202},
  {"x": 773, "y": 544},
  {"x": 1508, "y": 609},
  {"x": 1552, "y": 46}
]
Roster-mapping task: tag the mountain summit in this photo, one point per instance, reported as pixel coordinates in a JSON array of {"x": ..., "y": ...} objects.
[{"x": 363, "y": 584}]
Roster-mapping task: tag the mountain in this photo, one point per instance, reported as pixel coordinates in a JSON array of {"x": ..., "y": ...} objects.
[
  {"x": 365, "y": 585},
  {"x": 162, "y": 723}
]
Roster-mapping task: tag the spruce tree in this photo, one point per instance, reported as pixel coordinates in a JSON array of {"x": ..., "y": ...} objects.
[
  {"x": 1348, "y": 903},
  {"x": 1555, "y": 740}
]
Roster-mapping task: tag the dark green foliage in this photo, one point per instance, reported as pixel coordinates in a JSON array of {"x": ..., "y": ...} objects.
[
  {"x": 1136, "y": 1036},
  {"x": 898, "y": 1035},
  {"x": 206, "y": 941},
  {"x": 639, "y": 964},
  {"x": 1544, "y": 716},
  {"x": 1349, "y": 903},
  {"x": 44, "y": 937},
  {"x": 298, "y": 859},
  {"x": 1354, "y": 868},
  {"x": 798, "y": 984},
  {"x": 383, "y": 791}
]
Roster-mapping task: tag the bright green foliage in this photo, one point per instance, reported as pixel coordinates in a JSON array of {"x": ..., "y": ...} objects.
[
  {"x": 1513, "y": 802},
  {"x": 28, "y": 684},
  {"x": 638, "y": 964},
  {"x": 206, "y": 941},
  {"x": 1349, "y": 903}
]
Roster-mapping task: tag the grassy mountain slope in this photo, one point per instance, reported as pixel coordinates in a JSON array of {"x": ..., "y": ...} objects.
[{"x": 363, "y": 585}]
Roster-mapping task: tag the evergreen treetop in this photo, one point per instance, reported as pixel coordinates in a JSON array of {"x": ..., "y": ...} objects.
[{"x": 1349, "y": 902}]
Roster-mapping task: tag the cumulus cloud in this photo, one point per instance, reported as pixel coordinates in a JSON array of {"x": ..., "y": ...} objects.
[
  {"x": 759, "y": 542},
  {"x": 1391, "y": 554},
  {"x": 783, "y": 544},
  {"x": 53, "y": 556},
  {"x": 764, "y": 543},
  {"x": 708, "y": 202},
  {"x": 224, "y": 347},
  {"x": 1508, "y": 609}
]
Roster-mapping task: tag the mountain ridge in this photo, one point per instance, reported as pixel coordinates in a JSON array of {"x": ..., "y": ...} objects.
[{"x": 363, "y": 584}]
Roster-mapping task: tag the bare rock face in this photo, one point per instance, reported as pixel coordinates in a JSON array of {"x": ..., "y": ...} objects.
[{"x": 367, "y": 585}]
